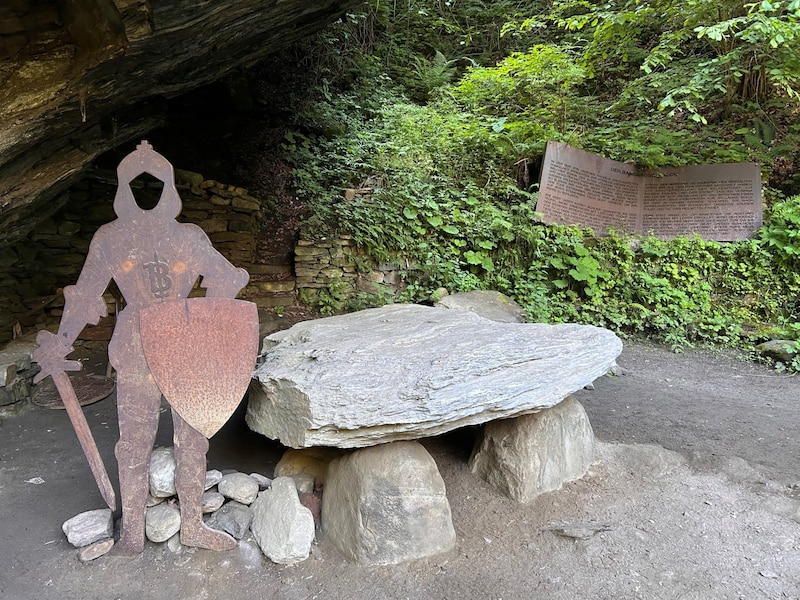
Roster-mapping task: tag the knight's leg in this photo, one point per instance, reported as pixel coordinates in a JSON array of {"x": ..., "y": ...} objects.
[
  {"x": 138, "y": 405},
  {"x": 190, "y": 476}
]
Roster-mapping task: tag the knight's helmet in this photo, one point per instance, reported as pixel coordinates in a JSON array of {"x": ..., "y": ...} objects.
[{"x": 146, "y": 160}]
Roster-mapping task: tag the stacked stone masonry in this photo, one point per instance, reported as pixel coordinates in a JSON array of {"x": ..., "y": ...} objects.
[{"x": 339, "y": 264}]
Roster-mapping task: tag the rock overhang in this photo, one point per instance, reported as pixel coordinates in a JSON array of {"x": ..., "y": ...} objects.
[{"x": 80, "y": 78}]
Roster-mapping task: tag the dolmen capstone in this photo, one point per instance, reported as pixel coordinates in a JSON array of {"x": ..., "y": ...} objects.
[
  {"x": 350, "y": 394},
  {"x": 403, "y": 372}
]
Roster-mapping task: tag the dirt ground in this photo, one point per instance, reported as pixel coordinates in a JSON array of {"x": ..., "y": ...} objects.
[{"x": 695, "y": 494}]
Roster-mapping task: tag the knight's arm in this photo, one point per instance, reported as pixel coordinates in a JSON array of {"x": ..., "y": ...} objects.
[
  {"x": 83, "y": 304},
  {"x": 220, "y": 278}
]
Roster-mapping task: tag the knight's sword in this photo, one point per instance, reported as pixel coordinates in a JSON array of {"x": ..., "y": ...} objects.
[{"x": 70, "y": 400}]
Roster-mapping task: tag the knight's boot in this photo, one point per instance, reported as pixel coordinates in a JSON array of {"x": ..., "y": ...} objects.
[
  {"x": 190, "y": 458},
  {"x": 133, "y": 484}
]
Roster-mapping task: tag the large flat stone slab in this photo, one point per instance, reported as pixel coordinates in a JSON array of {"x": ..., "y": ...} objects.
[{"x": 402, "y": 372}]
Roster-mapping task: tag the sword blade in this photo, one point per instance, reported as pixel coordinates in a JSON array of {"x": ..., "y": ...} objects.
[{"x": 78, "y": 419}]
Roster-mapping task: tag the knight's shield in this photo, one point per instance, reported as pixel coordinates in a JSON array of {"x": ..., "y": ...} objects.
[{"x": 201, "y": 352}]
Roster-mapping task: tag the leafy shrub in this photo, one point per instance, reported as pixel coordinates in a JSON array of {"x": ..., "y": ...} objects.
[{"x": 441, "y": 169}]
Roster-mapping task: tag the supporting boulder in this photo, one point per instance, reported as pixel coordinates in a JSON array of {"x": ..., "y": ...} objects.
[
  {"x": 387, "y": 504},
  {"x": 533, "y": 454}
]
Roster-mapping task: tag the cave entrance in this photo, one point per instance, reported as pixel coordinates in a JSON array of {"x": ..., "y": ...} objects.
[{"x": 223, "y": 141}]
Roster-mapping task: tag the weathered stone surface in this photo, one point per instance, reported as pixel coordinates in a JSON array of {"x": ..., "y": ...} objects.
[
  {"x": 213, "y": 477},
  {"x": 533, "y": 454},
  {"x": 211, "y": 502},
  {"x": 239, "y": 487},
  {"x": 303, "y": 483},
  {"x": 78, "y": 72},
  {"x": 283, "y": 528},
  {"x": 161, "y": 522},
  {"x": 162, "y": 473},
  {"x": 406, "y": 371},
  {"x": 262, "y": 481},
  {"x": 233, "y": 518},
  {"x": 780, "y": 350},
  {"x": 15, "y": 368},
  {"x": 96, "y": 550},
  {"x": 387, "y": 504},
  {"x": 489, "y": 304},
  {"x": 152, "y": 501},
  {"x": 313, "y": 461},
  {"x": 89, "y": 527}
]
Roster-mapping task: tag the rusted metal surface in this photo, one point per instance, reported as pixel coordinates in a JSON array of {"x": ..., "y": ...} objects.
[
  {"x": 155, "y": 261},
  {"x": 201, "y": 352},
  {"x": 57, "y": 370},
  {"x": 88, "y": 444}
]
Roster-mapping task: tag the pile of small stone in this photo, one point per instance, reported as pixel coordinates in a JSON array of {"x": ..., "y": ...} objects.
[
  {"x": 233, "y": 502},
  {"x": 17, "y": 371}
]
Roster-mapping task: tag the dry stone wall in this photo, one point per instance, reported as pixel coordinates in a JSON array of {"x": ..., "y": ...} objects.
[{"x": 338, "y": 264}]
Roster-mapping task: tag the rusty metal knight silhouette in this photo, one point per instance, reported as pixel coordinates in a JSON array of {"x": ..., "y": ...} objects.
[{"x": 198, "y": 352}]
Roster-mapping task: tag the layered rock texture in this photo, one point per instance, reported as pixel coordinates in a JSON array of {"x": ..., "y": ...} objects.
[
  {"x": 79, "y": 77},
  {"x": 402, "y": 372}
]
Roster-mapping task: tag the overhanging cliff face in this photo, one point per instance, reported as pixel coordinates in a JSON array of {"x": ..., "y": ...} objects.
[{"x": 79, "y": 77}]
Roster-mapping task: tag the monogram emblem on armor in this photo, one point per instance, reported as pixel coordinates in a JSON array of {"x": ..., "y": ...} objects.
[{"x": 160, "y": 281}]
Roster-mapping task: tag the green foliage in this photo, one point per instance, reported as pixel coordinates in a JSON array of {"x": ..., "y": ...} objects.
[
  {"x": 333, "y": 298},
  {"x": 693, "y": 54},
  {"x": 530, "y": 92},
  {"x": 423, "y": 43},
  {"x": 783, "y": 232},
  {"x": 432, "y": 133}
]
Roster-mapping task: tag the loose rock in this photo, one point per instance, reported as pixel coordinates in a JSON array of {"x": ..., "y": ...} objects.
[
  {"x": 174, "y": 544},
  {"x": 96, "y": 550},
  {"x": 262, "y": 481},
  {"x": 313, "y": 461},
  {"x": 212, "y": 501},
  {"x": 213, "y": 477},
  {"x": 161, "y": 522},
  {"x": 780, "y": 350},
  {"x": 407, "y": 371},
  {"x": 162, "y": 473},
  {"x": 489, "y": 304},
  {"x": 239, "y": 487},
  {"x": 533, "y": 454},
  {"x": 282, "y": 527},
  {"x": 89, "y": 527},
  {"x": 233, "y": 518},
  {"x": 304, "y": 482}
]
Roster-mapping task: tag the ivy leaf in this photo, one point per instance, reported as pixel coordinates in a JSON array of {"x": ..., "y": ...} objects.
[
  {"x": 472, "y": 257},
  {"x": 434, "y": 220},
  {"x": 499, "y": 125},
  {"x": 451, "y": 229},
  {"x": 410, "y": 212}
]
